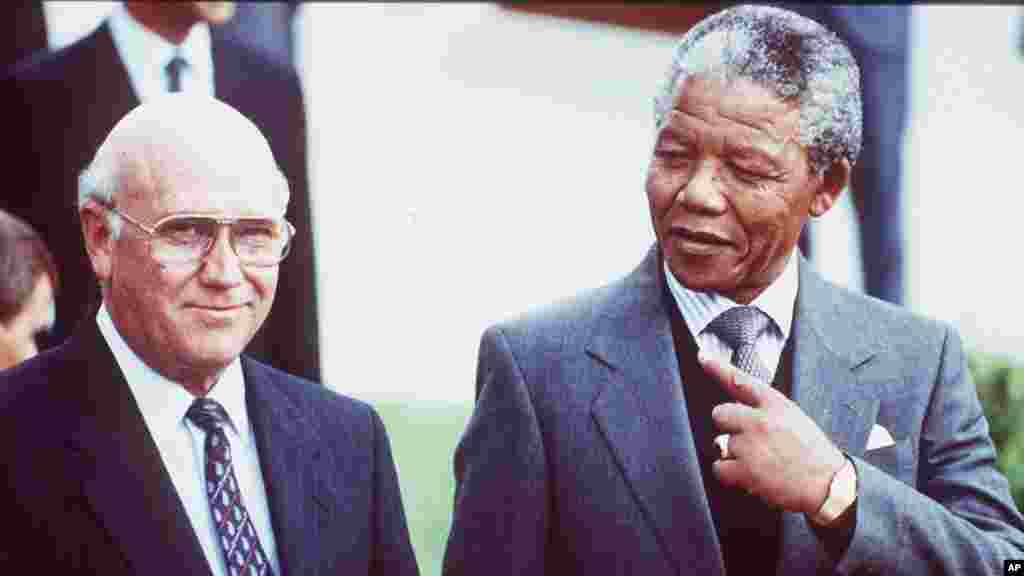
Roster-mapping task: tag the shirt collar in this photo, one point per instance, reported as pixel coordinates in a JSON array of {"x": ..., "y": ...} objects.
[
  {"x": 777, "y": 300},
  {"x": 162, "y": 401},
  {"x": 145, "y": 54}
]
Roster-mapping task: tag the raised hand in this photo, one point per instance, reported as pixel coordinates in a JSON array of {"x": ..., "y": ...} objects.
[{"x": 771, "y": 449}]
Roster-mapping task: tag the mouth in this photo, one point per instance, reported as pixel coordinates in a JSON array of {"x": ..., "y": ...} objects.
[
  {"x": 219, "y": 312},
  {"x": 218, "y": 307},
  {"x": 699, "y": 242}
]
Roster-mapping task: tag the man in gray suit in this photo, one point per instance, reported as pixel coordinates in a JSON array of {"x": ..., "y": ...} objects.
[
  {"x": 722, "y": 409},
  {"x": 147, "y": 444}
]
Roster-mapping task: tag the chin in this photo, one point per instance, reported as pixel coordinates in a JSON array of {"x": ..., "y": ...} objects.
[
  {"x": 704, "y": 274},
  {"x": 214, "y": 352}
]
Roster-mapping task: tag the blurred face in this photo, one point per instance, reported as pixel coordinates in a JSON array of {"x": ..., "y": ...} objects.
[
  {"x": 729, "y": 187},
  {"x": 190, "y": 318},
  {"x": 214, "y": 12},
  {"x": 17, "y": 337}
]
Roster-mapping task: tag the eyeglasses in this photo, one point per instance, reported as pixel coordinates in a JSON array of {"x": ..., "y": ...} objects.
[{"x": 186, "y": 238}]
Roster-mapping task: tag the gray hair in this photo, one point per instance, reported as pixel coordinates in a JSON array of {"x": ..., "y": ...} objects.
[
  {"x": 97, "y": 182},
  {"x": 794, "y": 57}
]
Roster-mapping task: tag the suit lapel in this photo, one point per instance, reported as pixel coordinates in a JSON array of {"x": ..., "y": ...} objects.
[
  {"x": 832, "y": 349},
  {"x": 293, "y": 471},
  {"x": 641, "y": 411},
  {"x": 123, "y": 475}
]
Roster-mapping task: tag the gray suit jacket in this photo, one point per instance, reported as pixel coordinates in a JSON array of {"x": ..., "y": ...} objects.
[{"x": 579, "y": 457}]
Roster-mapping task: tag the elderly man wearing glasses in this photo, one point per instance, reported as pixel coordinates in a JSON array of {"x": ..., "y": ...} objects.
[{"x": 147, "y": 444}]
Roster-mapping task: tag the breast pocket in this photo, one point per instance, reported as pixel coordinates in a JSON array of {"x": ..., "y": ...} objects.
[{"x": 896, "y": 460}]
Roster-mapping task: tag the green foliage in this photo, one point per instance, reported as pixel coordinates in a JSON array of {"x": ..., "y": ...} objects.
[
  {"x": 423, "y": 438},
  {"x": 1000, "y": 385}
]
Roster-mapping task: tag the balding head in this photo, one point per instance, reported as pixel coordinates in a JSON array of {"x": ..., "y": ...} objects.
[{"x": 181, "y": 138}]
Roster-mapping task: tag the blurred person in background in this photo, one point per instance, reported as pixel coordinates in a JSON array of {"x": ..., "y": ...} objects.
[
  {"x": 149, "y": 443},
  {"x": 22, "y": 31},
  {"x": 60, "y": 106},
  {"x": 723, "y": 409},
  {"x": 878, "y": 37},
  {"x": 266, "y": 26},
  {"x": 28, "y": 281}
]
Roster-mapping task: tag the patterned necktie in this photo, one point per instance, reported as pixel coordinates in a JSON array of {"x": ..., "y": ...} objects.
[
  {"x": 243, "y": 554},
  {"x": 174, "y": 68},
  {"x": 740, "y": 328}
]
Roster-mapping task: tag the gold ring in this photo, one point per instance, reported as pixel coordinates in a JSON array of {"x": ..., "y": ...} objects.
[{"x": 722, "y": 440}]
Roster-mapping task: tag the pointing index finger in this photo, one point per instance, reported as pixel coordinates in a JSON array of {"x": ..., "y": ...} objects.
[{"x": 741, "y": 386}]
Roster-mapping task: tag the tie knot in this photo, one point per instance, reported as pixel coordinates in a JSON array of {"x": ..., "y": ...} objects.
[
  {"x": 740, "y": 326},
  {"x": 207, "y": 414},
  {"x": 174, "y": 68}
]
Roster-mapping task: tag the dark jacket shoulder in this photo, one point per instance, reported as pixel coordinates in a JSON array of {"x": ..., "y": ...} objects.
[{"x": 318, "y": 402}]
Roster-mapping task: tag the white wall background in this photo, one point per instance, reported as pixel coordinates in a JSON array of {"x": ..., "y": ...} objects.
[
  {"x": 469, "y": 163},
  {"x": 963, "y": 178}
]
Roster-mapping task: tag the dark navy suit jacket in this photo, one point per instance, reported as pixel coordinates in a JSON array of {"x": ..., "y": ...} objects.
[
  {"x": 85, "y": 491},
  {"x": 62, "y": 105}
]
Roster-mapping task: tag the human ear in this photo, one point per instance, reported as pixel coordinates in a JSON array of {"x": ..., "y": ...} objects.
[
  {"x": 98, "y": 236},
  {"x": 833, "y": 181}
]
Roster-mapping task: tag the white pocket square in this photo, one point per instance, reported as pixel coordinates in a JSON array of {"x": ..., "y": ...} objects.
[{"x": 879, "y": 438}]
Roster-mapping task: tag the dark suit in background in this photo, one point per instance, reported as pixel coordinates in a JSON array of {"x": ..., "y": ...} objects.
[
  {"x": 265, "y": 26},
  {"x": 878, "y": 36},
  {"x": 22, "y": 31},
  {"x": 85, "y": 489},
  {"x": 61, "y": 106}
]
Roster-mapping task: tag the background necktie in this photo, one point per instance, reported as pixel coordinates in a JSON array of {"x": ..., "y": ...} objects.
[
  {"x": 235, "y": 531},
  {"x": 174, "y": 68},
  {"x": 740, "y": 327}
]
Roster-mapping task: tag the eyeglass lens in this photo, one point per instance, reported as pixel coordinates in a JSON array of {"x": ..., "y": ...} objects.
[{"x": 259, "y": 241}]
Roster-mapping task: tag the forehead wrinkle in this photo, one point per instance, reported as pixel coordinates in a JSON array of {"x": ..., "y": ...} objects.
[
  {"x": 757, "y": 141},
  {"x": 761, "y": 125},
  {"x": 686, "y": 115},
  {"x": 745, "y": 137}
]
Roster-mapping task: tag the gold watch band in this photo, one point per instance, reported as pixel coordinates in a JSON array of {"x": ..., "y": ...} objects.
[{"x": 842, "y": 492}]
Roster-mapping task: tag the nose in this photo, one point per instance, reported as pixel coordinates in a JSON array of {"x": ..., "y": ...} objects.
[
  {"x": 702, "y": 192},
  {"x": 221, "y": 266}
]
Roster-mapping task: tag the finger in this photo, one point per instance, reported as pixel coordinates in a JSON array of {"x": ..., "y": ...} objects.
[
  {"x": 732, "y": 472},
  {"x": 738, "y": 384},
  {"x": 733, "y": 417}
]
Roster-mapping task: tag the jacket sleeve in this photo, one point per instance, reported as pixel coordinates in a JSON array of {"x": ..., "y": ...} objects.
[
  {"x": 961, "y": 518},
  {"x": 392, "y": 550},
  {"x": 501, "y": 517}
]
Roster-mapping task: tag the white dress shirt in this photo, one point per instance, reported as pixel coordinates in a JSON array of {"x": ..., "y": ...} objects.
[
  {"x": 145, "y": 56},
  {"x": 181, "y": 443},
  {"x": 777, "y": 301}
]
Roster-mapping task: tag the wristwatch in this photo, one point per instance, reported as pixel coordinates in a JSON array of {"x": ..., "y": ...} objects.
[{"x": 842, "y": 492}]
